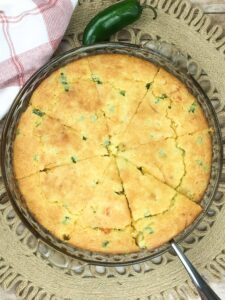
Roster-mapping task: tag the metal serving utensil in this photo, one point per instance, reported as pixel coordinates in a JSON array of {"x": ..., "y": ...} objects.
[{"x": 204, "y": 290}]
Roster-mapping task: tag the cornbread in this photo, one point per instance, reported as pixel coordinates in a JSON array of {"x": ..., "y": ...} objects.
[{"x": 113, "y": 154}]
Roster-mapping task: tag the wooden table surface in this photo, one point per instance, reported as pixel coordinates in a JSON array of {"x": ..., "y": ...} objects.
[{"x": 214, "y": 8}]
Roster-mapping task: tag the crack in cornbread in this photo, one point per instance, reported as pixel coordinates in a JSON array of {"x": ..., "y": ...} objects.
[
  {"x": 161, "y": 159},
  {"x": 55, "y": 144},
  {"x": 148, "y": 88},
  {"x": 173, "y": 127},
  {"x": 146, "y": 195},
  {"x": 190, "y": 152},
  {"x": 153, "y": 231},
  {"x": 118, "y": 92},
  {"x": 105, "y": 153},
  {"x": 133, "y": 233},
  {"x": 197, "y": 161},
  {"x": 152, "y": 200}
]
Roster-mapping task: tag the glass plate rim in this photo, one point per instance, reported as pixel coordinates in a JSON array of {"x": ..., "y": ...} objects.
[{"x": 107, "y": 259}]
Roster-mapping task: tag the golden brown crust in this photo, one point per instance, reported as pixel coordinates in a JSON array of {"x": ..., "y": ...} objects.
[
  {"x": 46, "y": 94},
  {"x": 51, "y": 89},
  {"x": 107, "y": 207},
  {"x": 162, "y": 159},
  {"x": 26, "y": 160},
  {"x": 119, "y": 102},
  {"x": 43, "y": 142},
  {"x": 197, "y": 158},
  {"x": 116, "y": 67},
  {"x": 146, "y": 126},
  {"x": 27, "y": 146},
  {"x": 105, "y": 154},
  {"x": 74, "y": 185},
  {"x": 52, "y": 215},
  {"x": 157, "y": 230},
  {"x": 177, "y": 103},
  {"x": 122, "y": 81},
  {"x": 77, "y": 70},
  {"x": 103, "y": 240},
  {"x": 146, "y": 195}
]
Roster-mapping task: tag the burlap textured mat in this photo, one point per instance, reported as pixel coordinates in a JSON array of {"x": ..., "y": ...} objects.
[{"x": 37, "y": 272}]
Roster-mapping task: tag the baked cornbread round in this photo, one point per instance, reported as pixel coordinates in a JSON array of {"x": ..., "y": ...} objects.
[{"x": 113, "y": 154}]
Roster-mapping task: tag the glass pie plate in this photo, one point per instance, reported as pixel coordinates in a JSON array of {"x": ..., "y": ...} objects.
[{"x": 19, "y": 106}]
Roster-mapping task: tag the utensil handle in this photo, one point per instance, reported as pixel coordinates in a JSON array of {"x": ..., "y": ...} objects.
[{"x": 203, "y": 288}]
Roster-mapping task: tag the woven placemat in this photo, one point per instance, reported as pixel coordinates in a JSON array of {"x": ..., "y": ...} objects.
[{"x": 37, "y": 272}]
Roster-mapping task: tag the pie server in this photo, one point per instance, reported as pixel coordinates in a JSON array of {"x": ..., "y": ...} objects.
[{"x": 204, "y": 290}]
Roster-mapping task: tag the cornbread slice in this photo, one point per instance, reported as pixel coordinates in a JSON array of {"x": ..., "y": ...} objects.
[
  {"x": 162, "y": 159},
  {"x": 76, "y": 70},
  {"x": 186, "y": 114},
  {"x": 57, "y": 197},
  {"x": 154, "y": 231},
  {"x": 27, "y": 146},
  {"x": 147, "y": 125},
  {"x": 45, "y": 96},
  {"x": 52, "y": 215},
  {"x": 160, "y": 102},
  {"x": 67, "y": 145},
  {"x": 121, "y": 94},
  {"x": 80, "y": 109},
  {"x": 173, "y": 99},
  {"x": 82, "y": 100},
  {"x": 43, "y": 142},
  {"x": 26, "y": 159},
  {"x": 74, "y": 185},
  {"x": 108, "y": 206},
  {"x": 58, "y": 204},
  {"x": 104, "y": 240},
  {"x": 146, "y": 195},
  {"x": 120, "y": 102},
  {"x": 114, "y": 68},
  {"x": 60, "y": 82},
  {"x": 198, "y": 158},
  {"x": 166, "y": 83}
]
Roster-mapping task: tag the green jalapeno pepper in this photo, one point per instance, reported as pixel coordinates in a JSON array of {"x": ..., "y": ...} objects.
[{"x": 111, "y": 20}]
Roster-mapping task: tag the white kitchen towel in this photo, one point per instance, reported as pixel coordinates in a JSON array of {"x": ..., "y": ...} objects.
[{"x": 30, "y": 31}]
